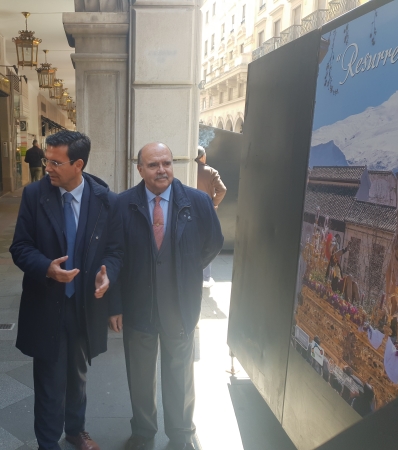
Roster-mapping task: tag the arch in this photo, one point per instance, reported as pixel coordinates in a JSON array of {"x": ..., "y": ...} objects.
[
  {"x": 220, "y": 123},
  {"x": 228, "y": 124},
  {"x": 238, "y": 128},
  {"x": 210, "y": 123}
]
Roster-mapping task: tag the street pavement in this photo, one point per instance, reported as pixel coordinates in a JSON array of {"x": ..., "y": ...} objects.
[{"x": 229, "y": 414}]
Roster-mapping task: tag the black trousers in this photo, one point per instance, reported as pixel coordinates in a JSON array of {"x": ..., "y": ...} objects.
[{"x": 60, "y": 387}]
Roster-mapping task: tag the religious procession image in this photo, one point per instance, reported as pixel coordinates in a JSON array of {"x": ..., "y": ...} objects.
[{"x": 346, "y": 305}]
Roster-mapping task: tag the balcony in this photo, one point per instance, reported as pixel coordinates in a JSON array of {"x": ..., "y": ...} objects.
[
  {"x": 314, "y": 20},
  {"x": 339, "y": 7},
  {"x": 290, "y": 34},
  {"x": 309, "y": 23}
]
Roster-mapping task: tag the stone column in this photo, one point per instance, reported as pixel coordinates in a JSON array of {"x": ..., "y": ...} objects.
[
  {"x": 165, "y": 40},
  {"x": 101, "y": 64}
]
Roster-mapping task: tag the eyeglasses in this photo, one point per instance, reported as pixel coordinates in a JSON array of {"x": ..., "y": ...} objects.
[{"x": 48, "y": 162}]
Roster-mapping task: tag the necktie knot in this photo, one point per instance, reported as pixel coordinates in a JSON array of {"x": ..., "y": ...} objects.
[
  {"x": 157, "y": 200},
  {"x": 68, "y": 197}
]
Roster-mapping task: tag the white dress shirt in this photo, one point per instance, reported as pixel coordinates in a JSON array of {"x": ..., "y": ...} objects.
[{"x": 76, "y": 201}]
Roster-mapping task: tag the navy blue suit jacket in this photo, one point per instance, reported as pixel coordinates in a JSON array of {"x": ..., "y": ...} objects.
[{"x": 40, "y": 238}]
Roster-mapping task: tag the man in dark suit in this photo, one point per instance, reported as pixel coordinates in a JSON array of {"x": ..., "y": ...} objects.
[
  {"x": 171, "y": 233},
  {"x": 68, "y": 244}
]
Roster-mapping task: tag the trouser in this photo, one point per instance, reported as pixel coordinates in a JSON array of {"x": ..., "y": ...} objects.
[
  {"x": 36, "y": 173},
  {"x": 178, "y": 391},
  {"x": 60, "y": 387},
  {"x": 207, "y": 273}
]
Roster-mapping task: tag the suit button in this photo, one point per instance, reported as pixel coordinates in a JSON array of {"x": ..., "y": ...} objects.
[{"x": 96, "y": 237}]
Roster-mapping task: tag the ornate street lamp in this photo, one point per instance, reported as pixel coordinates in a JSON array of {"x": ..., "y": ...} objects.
[
  {"x": 64, "y": 98},
  {"x": 72, "y": 111},
  {"x": 56, "y": 91},
  {"x": 27, "y": 46},
  {"x": 46, "y": 74},
  {"x": 67, "y": 104}
]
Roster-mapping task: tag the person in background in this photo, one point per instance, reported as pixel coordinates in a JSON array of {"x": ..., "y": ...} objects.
[
  {"x": 209, "y": 181},
  {"x": 33, "y": 157}
]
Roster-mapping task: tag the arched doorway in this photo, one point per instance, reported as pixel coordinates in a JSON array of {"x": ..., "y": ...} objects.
[
  {"x": 239, "y": 126},
  {"x": 220, "y": 125},
  {"x": 228, "y": 125}
]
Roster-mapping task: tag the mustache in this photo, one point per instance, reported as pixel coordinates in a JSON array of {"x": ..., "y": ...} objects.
[{"x": 160, "y": 177}]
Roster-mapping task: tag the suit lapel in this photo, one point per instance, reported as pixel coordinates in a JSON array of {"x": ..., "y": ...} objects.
[{"x": 52, "y": 205}]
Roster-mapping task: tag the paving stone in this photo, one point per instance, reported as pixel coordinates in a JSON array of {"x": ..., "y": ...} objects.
[
  {"x": 8, "y": 352},
  {"x": 23, "y": 374},
  {"x": 8, "y": 441},
  {"x": 8, "y": 302},
  {"x": 17, "y": 419},
  {"x": 12, "y": 391},
  {"x": 6, "y": 366}
]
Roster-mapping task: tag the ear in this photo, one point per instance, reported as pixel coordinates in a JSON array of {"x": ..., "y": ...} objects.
[
  {"x": 139, "y": 168},
  {"x": 79, "y": 164}
]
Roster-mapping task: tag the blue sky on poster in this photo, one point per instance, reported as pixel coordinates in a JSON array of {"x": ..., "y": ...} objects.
[{"x": 365, "y": 89}]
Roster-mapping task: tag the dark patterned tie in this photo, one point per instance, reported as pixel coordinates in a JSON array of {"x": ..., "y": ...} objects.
[{"x": 70, "y": 227}]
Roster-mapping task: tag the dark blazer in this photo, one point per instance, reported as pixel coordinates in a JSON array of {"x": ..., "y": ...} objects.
[
  {"x": 196, "y": 240},
  {"x": 40, "y": 238}
]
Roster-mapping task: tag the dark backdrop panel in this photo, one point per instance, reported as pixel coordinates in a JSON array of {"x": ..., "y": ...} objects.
[
  {"x": 223, "y": 153},
  {"x": 378, "y": 431},
  {"x": 276, "y": 142}
]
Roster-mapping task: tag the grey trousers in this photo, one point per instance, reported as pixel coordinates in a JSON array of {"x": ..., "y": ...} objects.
[{"x": 177, "y": 375}]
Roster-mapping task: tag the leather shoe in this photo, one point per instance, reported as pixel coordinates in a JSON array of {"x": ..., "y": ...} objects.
[
  {"x": 136, "y": 442},
  {"x": 182, "y": 446},
  {"x": 83, "y": 441}
]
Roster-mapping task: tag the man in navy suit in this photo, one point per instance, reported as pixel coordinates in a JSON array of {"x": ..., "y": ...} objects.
[
  {"x": 171, "y": 233},
  {"x": 68, "y": 244}
]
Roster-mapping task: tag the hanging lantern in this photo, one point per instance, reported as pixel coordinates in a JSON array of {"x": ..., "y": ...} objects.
[
  {"x": 27, "y": 46},
  {"x": 67, "y": 103},
  {"x": 56, "y": 91},
  {"x": 64, "y": 98},
  {"x": 46, "y": 74},
  {"x": 72, "y": 111}
]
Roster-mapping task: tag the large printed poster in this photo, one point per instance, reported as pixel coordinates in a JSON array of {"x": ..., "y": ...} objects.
[{"x": 346, "y": 309}]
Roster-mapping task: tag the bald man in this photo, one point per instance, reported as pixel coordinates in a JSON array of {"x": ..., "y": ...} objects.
[{"x": 171, "y": 234}]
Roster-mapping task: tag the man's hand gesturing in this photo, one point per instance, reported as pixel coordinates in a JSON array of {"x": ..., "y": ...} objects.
[
  {"x": 56, "y": 273},
  {"x": 101, "y": 283}
]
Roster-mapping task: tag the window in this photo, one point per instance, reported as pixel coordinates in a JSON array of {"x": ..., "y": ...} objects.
[
  {"x": 260, "y": 38},
  {"x": 205, "y": 48},
  {"x": 243, "y": 13},
  {"x": 221, "y": 97},
  {"x": 204, "y": 103},
  {"x": 211, "y": 68},
  {"x": 242, "y": 48},
  {"x": 231, "y": 55},
  {"x": 232, "y": 23},
  {"x": 296, "y": 19},
  {"x": 262, "y": 4},
  {"x": 221, "y": 61},
  {"x": 230, "y": 93},
  {"x": 207, "y": 16},
  {"x": 240, "y": 90},
  {"x": 210, "y": 101},
  {"x": 222, "y": 30},
  {"x": 277, "y": 28},
  {"x": 204, "y": 74},
  {"x": 212, "y": 41},
  {"x": 214, "y": 8}
]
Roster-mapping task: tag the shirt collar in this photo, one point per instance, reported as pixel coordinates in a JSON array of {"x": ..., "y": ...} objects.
[
  {"x": 164, "y": 195},
  {"x": 77, "y": 192}
]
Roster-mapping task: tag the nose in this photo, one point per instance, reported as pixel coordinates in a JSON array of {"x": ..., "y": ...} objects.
[{"x": 161, "y": 168}]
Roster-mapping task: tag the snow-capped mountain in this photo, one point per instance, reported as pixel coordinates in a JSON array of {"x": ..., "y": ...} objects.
[{"x": 369, "y": 138}]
